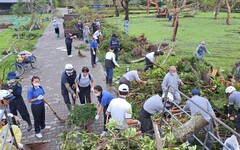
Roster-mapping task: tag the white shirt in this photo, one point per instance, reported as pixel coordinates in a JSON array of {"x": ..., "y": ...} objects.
[
  {"x": 120, "y": 110},
  {"x": 111, "y": 56},
  {"x": 131, "y": 75},
  {"x": 96, "y": 34},
  {"x": 150, "y": 56}
]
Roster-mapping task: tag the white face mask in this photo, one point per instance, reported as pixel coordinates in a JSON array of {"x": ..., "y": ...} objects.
[
  {"x": 98, "y": 94},
  {"x": 11, "y": 81},
  {"x": 36, "y": 85},
  {"x": 174, "y": 73}
]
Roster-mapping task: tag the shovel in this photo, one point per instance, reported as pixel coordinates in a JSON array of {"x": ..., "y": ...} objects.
[{"x": 54, "y": 112}]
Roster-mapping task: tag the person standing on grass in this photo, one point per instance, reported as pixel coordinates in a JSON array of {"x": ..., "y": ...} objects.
[
  {"x": 115, "y": 44},
  {"x": 110, "y": 63},
  {"x": 68, "y": 85},
  {"x": 130, "y": 76},
  {"x": 56, "y": 27},
  {"x": 35, "y": 96},
  {"x": 104, "y": 99},
  {"x": 17, "y": 104},
  {"x": 68, "y": 41},
  {"x": 149, "y": 59},
  {"x": 84, "y": 85},
  {"x": 86, "y": 33},
  {"x": 97, "y": 34},
  {"x": 201, "y": 49},
  {"x": 93, "y": 51}
]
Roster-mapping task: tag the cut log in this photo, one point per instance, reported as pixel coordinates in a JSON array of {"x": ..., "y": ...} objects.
[
  {"x": 183, "y": 132},
  {"x": 157, "y": 136}
]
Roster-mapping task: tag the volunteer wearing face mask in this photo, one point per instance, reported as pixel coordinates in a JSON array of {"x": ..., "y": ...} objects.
[
  {"x": 172, "y": 80},
  {"x": 35, "y": 96},
  {"x": 17, "y": 104},
  {"x": 68, "y": 85},
  {"x": 104, "y": 98}
]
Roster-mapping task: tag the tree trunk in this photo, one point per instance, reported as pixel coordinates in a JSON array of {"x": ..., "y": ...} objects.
[
  {"x": 228, "y": 13},
  {"x": 116, "y": 8},
  {"x": 174, "y": 2},
  {"x": 125, "y": 6},
  {"x": 183, "y": 132},
  {"x": 157, "y": 136},
  {"x": 33, "y": 20},
  {"x": 175, "y": 28},
  {"x": 217, "y": 8}
]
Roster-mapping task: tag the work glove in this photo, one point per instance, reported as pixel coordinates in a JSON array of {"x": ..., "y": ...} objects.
[
  {"x": 77, "y": 90},
  {"x": 40, "y": 97},
  {"x": 139, "y": 123},
  {"x": 20, "y": 145},
  {"x": 145, "y": 82},
  {"x": 96, "y": 117},
  {"x": 93, "y": 52},
  {"x": 118, "y": 66},
  {"x": 92, "y": 89}
]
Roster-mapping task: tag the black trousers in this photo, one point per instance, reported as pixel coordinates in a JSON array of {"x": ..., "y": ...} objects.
[
  {"x": 69, "y": 48},
  {"x": 80, "y": 34},
  {"x": 149, "y": 64},
  {"x": 146, "y": 122},
  {"x": 66, "y": 96},
  {"x": 93, "y": 57},
  {"x": 123, "y": 80},
  {"x": 237, "y": 121},
  {"x": 84, "y": 94},
  {"x": 57, "y": 31},
  {"x": 116, "y": 53},
  {"x": 105, "y": 117},
  {"x": 38, "y": 111}
]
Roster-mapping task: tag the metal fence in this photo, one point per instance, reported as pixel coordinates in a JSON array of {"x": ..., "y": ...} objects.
[{"x": 213, "y": 117}]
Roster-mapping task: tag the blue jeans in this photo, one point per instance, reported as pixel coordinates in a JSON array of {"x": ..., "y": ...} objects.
[{"x": 109, "y": 73}]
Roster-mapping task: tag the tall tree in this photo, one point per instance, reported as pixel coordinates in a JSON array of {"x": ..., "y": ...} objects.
[
  {"x": 176, "y": 11},
  {"x": 116, "y": 8},
  {"x": 217, "y": 8},
  {"x": 19, "y": 9},
  {"x": 228, "y": 12},
  {"x": 124, "y": 4}
]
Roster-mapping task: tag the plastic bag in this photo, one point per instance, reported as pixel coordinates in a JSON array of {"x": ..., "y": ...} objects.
[{"x": 231, "y": 143}]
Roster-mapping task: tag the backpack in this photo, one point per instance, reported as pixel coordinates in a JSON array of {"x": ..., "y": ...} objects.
[
  {"x": 89, "y": 76},
  {"x": 114, "y": 43}
]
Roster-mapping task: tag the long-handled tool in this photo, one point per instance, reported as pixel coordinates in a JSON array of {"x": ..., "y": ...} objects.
[{"x": 54, "y": 112}]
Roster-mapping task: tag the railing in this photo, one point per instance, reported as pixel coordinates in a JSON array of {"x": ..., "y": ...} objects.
[
  {"x": 213, "y": 117},
  {"x": 8, "y": 128}
]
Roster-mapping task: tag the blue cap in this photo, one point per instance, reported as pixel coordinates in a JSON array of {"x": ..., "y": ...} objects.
[
  {"x": 12, "y": 75},
  {"x": 196, "y": 92}
]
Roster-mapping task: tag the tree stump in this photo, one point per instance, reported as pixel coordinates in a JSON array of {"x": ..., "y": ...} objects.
[{"x": 183, "y": 132}]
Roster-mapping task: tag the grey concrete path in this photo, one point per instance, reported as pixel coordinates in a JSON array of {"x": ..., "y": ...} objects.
[{"x": 51, "y": 62}]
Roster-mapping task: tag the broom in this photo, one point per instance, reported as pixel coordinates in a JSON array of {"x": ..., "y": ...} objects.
[{"x": 54, "y": 112}]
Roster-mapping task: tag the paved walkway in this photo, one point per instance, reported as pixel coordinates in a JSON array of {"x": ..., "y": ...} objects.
[{"x": 51, "y": 62}]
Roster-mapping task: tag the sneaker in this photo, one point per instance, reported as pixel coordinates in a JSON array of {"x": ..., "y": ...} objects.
[
  {"x": 39, "y": 135},
  {"x": 46, "y": 128},
  {"x": 103, "y": 133},
  {"x": 70, "y": 55}
]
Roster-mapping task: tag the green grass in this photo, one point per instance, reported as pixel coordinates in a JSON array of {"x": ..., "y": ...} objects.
[
  {"x": 23, "y": 44},
  {"x": 221, "y": 40}
]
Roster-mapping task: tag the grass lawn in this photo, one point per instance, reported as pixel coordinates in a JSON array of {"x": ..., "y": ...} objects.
[
  {"x": 221, "y": 40},
  {"x": 24, "y": 44}
]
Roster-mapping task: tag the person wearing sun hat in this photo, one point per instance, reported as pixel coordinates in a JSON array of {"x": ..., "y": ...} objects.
[
  {"x": 120, "y": 110},
  {"x": 17, "y": 104},
  {"x": 194, "y": 109}
]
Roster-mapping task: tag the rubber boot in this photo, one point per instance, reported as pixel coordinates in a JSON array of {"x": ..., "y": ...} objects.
[
  {"x": 69, "y": 107},
  {"x": 110, "y": 82},
  {"x": 107, "y": 81}
]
